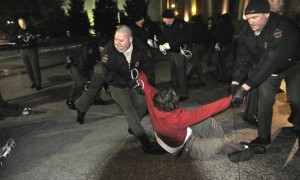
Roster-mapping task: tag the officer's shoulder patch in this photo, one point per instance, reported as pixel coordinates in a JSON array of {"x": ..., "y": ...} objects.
[
  {"x": 104, "y": 58},
  {"x": 277, "y": 33}
]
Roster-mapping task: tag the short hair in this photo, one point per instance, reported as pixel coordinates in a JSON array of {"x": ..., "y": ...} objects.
[
  {"x": 124, "y": 29},
  {"x": 166, "y": 100}
]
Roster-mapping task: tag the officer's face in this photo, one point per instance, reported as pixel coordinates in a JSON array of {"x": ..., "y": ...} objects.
[
  {"x": 168, "y": 21},
  {"x": 257, "y": 21},
  {"x": 22, "y": 24},
  {"x": 122, "y": 41},
  {"x": 276, "y": 5}
]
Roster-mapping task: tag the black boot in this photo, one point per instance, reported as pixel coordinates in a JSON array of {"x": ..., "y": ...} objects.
[
  {"x": 71, "y": 105},
  {"x": 152, "y": 148},
  {"x": 80, "y": 117}
]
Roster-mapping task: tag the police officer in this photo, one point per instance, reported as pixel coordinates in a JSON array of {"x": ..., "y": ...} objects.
[
  {"x": 81, "y": 65},
  {"x": 119, "y": 60},
  {"x": 27, "y": 44},
  {"x": 173, "y": 38},
  {"x": 143, "y": 32},
  {"x": 268, "y": 45},
  {"x": 198, "y": 40}
]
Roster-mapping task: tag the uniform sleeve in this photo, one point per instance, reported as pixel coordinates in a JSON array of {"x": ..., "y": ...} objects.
[
  {"x": 243, "y": 61},
  {"x": 191, "y": 117}
]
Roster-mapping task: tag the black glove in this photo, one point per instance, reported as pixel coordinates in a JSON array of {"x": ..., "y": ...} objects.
[
  {"x": 133, "y": 84},
  {"x": 232, "y": 89},
  {"x": 239, "y": 96}
]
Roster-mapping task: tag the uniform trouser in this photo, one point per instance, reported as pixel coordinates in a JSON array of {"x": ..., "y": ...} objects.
[
  {"x": 197, "y": 55},
  {"x": 178, "y": 74},
  {"x": 30, "y": 58},
  {"x": 134, "y": 107},
  {"x": 221, "y": 63},
  {"x": 266, "y": 98},
  {"x": 84, "y": 102},
  {"x": 208, "y": 139},
  {"x": 251, "y": 107},
  {"x": 79, "y": 83}
]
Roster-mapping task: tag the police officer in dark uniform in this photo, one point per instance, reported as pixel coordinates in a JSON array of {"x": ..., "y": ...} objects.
[
  {"x": 119, "y": 60},
  {"x": 267, "y": 45},
  {"x": 223, "y": 35},
  {"x": 142, "y": 31},
  {"x": 198, "y": 40},
  {"x": 173, "y": 38},
  {"x": 81, "y": 65},
  {"x": 27, "y": 44}
]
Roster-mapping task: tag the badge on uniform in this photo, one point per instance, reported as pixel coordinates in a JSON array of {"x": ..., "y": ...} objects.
[
  {"x": 104, "y": 58},
  {"x": 277, "y": 33},
  {"x": 137, "y": 64}
]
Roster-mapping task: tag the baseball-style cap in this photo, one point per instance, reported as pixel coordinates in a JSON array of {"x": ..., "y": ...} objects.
[{"x": 257, "y": 6}]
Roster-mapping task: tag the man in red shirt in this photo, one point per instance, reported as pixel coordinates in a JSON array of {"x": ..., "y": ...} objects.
[{"x": 192, "y": 131}]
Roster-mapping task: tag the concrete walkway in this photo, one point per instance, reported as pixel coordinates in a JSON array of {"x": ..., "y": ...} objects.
[{"x": 51, "y": 145}]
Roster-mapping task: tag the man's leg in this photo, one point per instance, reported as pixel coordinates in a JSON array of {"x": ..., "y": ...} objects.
[
  {"x": 35, "y": 64},
  {"x": 266, "y": 99},
  {"x": 79, "y": 83},
  {"x": 208, "y": 128},
  {"x": 29, "y": 70},
  {"x": 250, "y": 114},
  {"x": 292, "y": 80},
  {"x": 180, "y": 73}
]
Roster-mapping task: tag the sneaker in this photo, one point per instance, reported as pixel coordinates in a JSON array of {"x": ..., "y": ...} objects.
[
  {"x": 26, "y": 112},
  {"x": 261, "y": 141},
  {"x": 243, "y": 155}
]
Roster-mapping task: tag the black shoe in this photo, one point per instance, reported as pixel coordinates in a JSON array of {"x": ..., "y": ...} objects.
[
  {"x": 80, "y": 118},
  {"x": 38, "y": 88},
  {"x": 32, "y": 86},
  {"x": 259, "y": 149},
  {"x": 252, "y": 122},
  {"x": 101, "y": 102},
  {"x": 261, "y": 141},
  {"x": 243, "y": 155},
  {"x": 152, "y": 148},
  {"x": 71, "y": 105},
  {"x": 183, "y": 98}
]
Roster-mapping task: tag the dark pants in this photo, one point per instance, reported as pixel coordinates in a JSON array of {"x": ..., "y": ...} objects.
[
  {"x": 30, "y": 58},
  {"x": 198, "y": 52},
  {"x": 178, "y": 74},
  {"x": 87, "y": 96},
  {"x": 266, "y": 99},
  {"x": 134, "y": 107},
  {"x": 222, "y": 70}
]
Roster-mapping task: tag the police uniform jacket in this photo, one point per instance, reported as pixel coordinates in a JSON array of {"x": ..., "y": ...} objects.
[
  {"x": 116, "y": 67},
  {"x": 86, "y": 56},
  {"x": 27, "y": 38},
  {"x": 271, "y": 52},
  {"x": 175, "y": 34},
  {"x": 143, "y": 33}
]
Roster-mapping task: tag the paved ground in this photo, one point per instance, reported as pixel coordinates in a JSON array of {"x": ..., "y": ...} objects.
[{"x": 51, "y": 145}]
